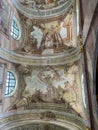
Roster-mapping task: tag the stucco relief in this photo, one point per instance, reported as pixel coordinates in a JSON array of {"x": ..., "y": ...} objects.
[{"x": 48, "y": 85}]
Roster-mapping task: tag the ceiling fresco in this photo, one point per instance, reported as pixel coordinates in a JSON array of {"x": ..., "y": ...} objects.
[
  {"x": 46, "y": 63},
  {"x": 49, "y": 87},
  {"x": 49, "y": 37}
]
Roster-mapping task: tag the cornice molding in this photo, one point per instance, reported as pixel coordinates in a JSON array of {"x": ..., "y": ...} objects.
[
  {"x": 69, "y": 56},
  {"x": 20, "y": 118},
  {"x": 44, "y": 14}
]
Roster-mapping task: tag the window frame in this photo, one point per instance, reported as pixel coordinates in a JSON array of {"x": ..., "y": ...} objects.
[
  {"x": 15, "y": 29},
  {"x": 11, "y": 85}
]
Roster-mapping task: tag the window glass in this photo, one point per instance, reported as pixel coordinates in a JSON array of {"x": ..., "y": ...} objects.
[
  {"x": 10, "y": 83},
  {"x": 14, "y": 29}
]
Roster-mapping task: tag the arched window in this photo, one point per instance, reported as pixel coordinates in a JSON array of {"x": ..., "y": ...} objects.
[
  {"x": 10, "y": 83},
  {"x": 14, "y": 29}
]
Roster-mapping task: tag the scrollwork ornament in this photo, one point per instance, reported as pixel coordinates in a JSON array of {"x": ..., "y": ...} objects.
[{"x": 80, "y": 42}]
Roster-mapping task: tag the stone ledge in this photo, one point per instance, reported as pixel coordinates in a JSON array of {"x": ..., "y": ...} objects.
[
  {"x": 18, "y": 118},
  {"x": 69, "y": 56}
]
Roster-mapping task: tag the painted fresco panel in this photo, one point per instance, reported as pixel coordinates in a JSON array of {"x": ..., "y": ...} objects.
[{"x": 50, "y": 86}]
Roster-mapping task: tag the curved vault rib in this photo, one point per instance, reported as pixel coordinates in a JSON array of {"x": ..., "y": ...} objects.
[
  {"x": 66, "y": 57},
  {"x": 43, "y": 14},
  {"x": 20, "y": 118}
]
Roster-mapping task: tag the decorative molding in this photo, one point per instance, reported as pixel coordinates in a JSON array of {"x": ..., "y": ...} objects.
[
  {"x": 44, "y": 14},
  {"x": 69, "y": 56},
  {"x": 39, "y": 126},
  {"x": 48, "y": 115},
  {"x": 20, "y": 118},
  {"x": 80, "y": 42}
]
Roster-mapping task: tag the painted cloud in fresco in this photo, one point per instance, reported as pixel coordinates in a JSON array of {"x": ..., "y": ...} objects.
[
  {"x": 37, "y": 34},
  {"x": 34, "y": 83},
  {"x": 52, "y": 85}
]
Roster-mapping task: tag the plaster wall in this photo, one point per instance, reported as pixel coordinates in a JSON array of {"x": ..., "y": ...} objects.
[{"x": 6, "y": 40}]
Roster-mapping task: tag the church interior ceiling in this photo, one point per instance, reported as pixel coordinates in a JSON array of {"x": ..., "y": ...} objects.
[
  {"x": 49, "y": 35},
  {"x": 50, "y": 86}
]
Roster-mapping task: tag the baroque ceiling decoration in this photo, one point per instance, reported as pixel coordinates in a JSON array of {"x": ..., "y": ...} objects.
[
  {"x": 48, "y": 40},
  {"x": 48, "y": 33},
  {"x": 49, "y": 88},
  {"x": 33, "y": 120},
  {"x": 43, "y": 8},
  {"x": 70, "y": 56},
  {"x": 47, "y": 37}
]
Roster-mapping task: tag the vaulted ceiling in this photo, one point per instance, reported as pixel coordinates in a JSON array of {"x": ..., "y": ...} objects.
[{"x": 46, "y": 61}]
